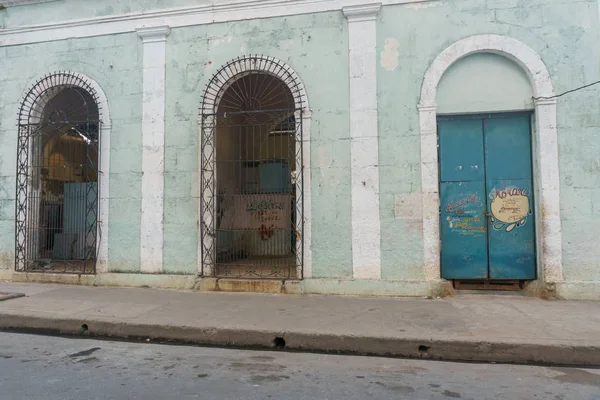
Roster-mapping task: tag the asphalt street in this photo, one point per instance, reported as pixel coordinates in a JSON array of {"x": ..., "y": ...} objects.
[{"x": 52, "y": 368}]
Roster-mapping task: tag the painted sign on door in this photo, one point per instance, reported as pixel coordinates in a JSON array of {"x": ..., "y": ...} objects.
[
  {"x": 487, "y": 228},
  {"x": 509, "y": 207}
]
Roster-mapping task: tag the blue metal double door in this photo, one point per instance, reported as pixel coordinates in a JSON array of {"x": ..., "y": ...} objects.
[{"x": 486, "y": 197}]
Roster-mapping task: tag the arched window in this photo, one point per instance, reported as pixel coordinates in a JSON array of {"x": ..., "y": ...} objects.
[
  {"x": 251, "y": 164},
  {"x": 57, "y": 176}
]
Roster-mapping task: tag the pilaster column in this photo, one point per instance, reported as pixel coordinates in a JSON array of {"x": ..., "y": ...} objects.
[
  {"x": 430, "y": 191},
  {"x": 549, "y": 185},
  {"x": 104, "y": 206},
  {"x": 153, "y": 142},
  {"x": 364, "y": 140}
]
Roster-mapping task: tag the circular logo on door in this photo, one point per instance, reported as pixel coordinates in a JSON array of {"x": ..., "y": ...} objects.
[{"x": 509, "y": 207}]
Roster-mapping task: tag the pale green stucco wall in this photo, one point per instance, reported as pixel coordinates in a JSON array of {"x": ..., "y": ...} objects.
[
  {"x": 113, "y": 61},
  {"x": 565, "y": 35},
  {"x": 315, "y": 46},
  {"x": 64, "y": 10}
]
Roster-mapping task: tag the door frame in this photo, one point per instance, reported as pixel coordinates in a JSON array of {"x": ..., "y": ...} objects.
[
  {"x": 544, "y": 148},
  {"x": 494, "y": 115}
]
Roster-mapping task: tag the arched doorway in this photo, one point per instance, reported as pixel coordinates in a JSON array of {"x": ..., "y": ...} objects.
[
  {"x": 486, "y": 183},
  {"x": 543, "y": 163},
  {"x": 57, "y": 176},
  {"x": 251, "y": 172}
]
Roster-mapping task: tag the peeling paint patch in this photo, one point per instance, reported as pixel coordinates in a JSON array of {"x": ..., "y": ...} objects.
[
  {"x": 322, "y": 158},
  {"x": 223, "y": 40},
  {"x": 7, "y": 260},
  {"x": 287, "y": 44},
  {"x": 390, "y": 54}
]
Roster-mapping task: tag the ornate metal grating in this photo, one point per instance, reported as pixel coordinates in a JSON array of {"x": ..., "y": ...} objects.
[
  {"x": 57, "y": 176},
  {"x": 251, "y": 171}
]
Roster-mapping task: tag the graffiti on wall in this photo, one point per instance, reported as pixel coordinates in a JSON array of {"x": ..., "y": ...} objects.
[
  {"x": 263, "y": 213},
  {"x": 509, "y": 208}
]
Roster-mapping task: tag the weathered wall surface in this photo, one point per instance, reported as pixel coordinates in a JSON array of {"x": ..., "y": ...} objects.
[
  {"x": 114, "y": 62},
  {"x": 62, "y": 10},
  {"x": 316, "y": 47},
  {"x": 563, "y": 34},
  {"x": 409, "y": 37}
]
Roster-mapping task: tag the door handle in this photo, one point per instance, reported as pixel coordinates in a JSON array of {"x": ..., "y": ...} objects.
[{"x": 487, "y": 214}]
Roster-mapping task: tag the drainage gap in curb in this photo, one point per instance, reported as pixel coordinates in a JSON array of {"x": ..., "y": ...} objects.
[
  {"x": 83, "y": 329},
  {"x": 423, "y": 349},
  {"x": 279, "y": 342},
  {"x": 10, "y": 295}
]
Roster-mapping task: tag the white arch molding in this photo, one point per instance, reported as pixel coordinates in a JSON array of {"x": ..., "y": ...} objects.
[
  {"x": 103, "y": 167},
  {"x": 236, "y": 69},
  {"x": 545, "y": 152}
]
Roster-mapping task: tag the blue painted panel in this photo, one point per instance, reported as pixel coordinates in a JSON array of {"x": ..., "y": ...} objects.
[
  {"x": 511, "y": 231},
  {"x": 510, "y": 201},
  {"x": 461, "y": 150},
  {"x": 274, "y": 176},
  {"x": 508, "y": 147},
  {"x": 80, "y": 213},
  {"x": 463, "y": 230},
  {"x": 74, "y": 210},
  {"x": 485, "y": 167}
]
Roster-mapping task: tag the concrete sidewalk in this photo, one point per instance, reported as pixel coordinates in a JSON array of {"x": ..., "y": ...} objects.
[{"x": 499, "y": 328}]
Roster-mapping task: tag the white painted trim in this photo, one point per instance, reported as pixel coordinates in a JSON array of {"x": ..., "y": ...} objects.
[
  {"x": 362, "y": 12},
  {"x": 598, "y": 10},
  {"x": 545, "y": 146},
  {"x": 14, "y": 3},
  {"x": 103, "y": 171},
  {"x": 364, "y": 141},
  {"x": 231, "y": 10},
  {"x": 288, "y": 75},
  {"x": 105, "y": 134},
  {"x": 153, "y": 148},
  {"x": 307, "y": 188},
  {"x": 154, "y": 34}
]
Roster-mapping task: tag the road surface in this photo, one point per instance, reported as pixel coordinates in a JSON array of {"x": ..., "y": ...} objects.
[{"x": 51, "y": 368}]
